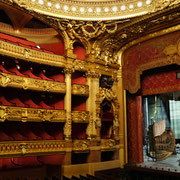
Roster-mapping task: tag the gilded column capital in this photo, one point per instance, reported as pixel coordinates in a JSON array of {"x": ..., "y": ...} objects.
[
  {"x": 92, "y": 74},
  {"x": 68, "y": 70}
]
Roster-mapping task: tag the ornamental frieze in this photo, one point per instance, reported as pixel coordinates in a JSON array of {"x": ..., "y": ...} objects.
[
  {"x": 80, "y": 116},
  {"x": 23, "y": 148},
  {"x": 81, "y": 145},
  {"x": 109, "y": 144},
  {"x": 82, "y": 90},
  {"x": 9, "y": 80},
  {"x": 31, "y": 114}
]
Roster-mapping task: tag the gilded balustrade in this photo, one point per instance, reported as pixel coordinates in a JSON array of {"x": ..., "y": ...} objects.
[
  {"x": 82, "y": 90},
  {"x": 31, "y": 114},
  {"x": 9, "y": 80},
  {"x": 27, "y": 148}
]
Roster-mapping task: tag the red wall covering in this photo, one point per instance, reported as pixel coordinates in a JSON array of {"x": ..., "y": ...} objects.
[
  {"x": 153, "y": 82},
  {"x": 79, "y": 51},
  {"x": 56, "y": 48},
  {"x": 78, "y": 103},
  {"x": 160, "y": 80},
  {"x": 78, "y": 78}
]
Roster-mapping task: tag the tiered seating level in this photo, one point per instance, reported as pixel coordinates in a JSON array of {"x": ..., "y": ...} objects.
[{"x": 32, "y": 111}]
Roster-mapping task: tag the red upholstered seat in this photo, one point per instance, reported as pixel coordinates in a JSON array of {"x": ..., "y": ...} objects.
[
  {"x": 11, "y": 130},
  {"x": 13, "y": 97},
  {"x": 25, "y": 130},
  {"x": 4, "y": 102},
  {"x": 51, "y": 160},
  {"x": 2, "y": 69},
  {"x": 42, "y": 75},
  {"x": 4, "y": 136},
  {"x": 30, "y": 74},
  {"x": 39, "y": 130},
  {"x": 15, "y": 71},
  {"x": 59, "y": 104},
  {"x": 44, "y": 105},
  {"x": 57, "y": 77},
  {"x": 55, "y": 130},
  {"x": 26, "y": 99}
]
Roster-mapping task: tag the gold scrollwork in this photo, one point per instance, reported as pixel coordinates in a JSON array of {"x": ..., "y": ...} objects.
[
  {"x": 92, "y": 74},
  {"x": 9, "y": 80},
  {"x": 81, "y": 145},
  {"x": 15, "y": 148},
  {"x": 80, "y": 116},
  {"x": 82, "y": 90},
  {"x": 107, "y": 144},
  {"x": 31, "y": 114}
]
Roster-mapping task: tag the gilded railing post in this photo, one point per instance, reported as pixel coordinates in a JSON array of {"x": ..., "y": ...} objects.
[
  {"x": 93, "y": 82},
  {"x": 67, "y": 103},
  {"x": 121, "y": 95}
]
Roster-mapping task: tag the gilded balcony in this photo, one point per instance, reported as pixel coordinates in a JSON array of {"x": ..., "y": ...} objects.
[
  {"x": 28, "y": 148},
  {"x": 31, "y": 55},
  {"x": 31, "y": 114}
]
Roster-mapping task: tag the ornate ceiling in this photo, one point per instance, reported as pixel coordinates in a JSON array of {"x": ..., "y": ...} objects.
[{"x": 94, "y": 10}]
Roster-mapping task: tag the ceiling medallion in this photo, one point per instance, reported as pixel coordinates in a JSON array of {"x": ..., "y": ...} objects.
[{"x": 94, "y": 10}]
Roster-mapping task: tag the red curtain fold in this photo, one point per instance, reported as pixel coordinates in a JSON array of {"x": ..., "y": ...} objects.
[{"x": 135, "y": 128}]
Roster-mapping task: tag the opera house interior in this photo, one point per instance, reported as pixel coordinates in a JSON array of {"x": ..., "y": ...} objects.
[{"x": 89, "y": 89}]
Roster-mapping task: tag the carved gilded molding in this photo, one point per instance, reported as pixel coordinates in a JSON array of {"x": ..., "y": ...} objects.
[
  {"x": 109, "y": 95},
  {"x": 78, "y": 89},
  {"x": 93, "y": 10},
  {"x": 109, "y": 144},
  {"x": 31, "y": 114},
  {"x": 80, "y": 116},
  {"x": 81, "y": 145},
  {"x": 93, "y": 74},
  {"x": 172, "y": 53},
  {"x": 31, "y": 55},
  {"x": 25, "y": 148},
  {"x": 9, "y": 80}
]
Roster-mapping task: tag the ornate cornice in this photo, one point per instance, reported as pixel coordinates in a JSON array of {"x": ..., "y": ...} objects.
[
  {"x": 80, "y": 116},
  {"x": 9, "y": 80},
  {"x": 31, "y": 55},
  {"x": 31, "y": 114},
  {"x": 78, "y": 89},
  {"x": 93, "y": 10},
  {"x": 27, "y": 148}
]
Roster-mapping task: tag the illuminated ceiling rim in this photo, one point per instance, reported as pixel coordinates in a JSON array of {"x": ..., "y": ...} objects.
[{"x": 94, "y": 10}]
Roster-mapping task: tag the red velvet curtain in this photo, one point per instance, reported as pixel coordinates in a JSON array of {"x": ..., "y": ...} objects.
[{"x": 135, "y": 128}]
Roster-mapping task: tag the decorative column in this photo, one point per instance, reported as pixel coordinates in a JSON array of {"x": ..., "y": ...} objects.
[
  {"x": 67, "y": 103},
  {"x": 121, "y": 95},
  {"x": 93, "y": 82}
]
